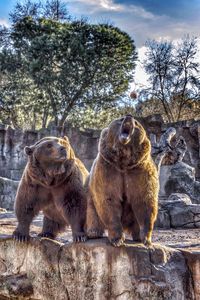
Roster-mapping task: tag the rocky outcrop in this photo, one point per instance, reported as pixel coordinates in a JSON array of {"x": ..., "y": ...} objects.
[
  {"x": 178, "y": 212},
  {"x": 95, "y": 270},
  {"x": 181, "y": 179},
  {"x": 47, "y": 269},
  {"x": 193, "y": 262}
]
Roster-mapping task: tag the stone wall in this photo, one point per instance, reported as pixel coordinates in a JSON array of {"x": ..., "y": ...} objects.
[
  {"x": 12, "y": 143},
  {"x": 85, "y": 143},
  {"x": 190, "y": 130}
]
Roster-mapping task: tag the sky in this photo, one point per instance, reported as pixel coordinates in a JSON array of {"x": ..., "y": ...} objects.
[{"x": 142, "y": 19}]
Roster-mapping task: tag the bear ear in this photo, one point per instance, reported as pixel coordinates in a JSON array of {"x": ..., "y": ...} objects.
[
  {"x": 66, "y": 138},
  {"x": 28, "y": 150},
  {"x": 71, "y": 153},
  {"x": 70, "y": 150}
]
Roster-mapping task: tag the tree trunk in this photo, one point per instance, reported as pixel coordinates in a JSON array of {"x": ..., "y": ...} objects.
[{"x": 44, "y": 118}]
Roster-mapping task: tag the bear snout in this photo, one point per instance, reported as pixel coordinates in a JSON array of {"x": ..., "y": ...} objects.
[{"x": 63, "y": 151}]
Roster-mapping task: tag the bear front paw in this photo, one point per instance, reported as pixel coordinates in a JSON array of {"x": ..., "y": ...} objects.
[
  {"x": 117, "y": 242},
  {"x": 20, "y": 237},
  {"x": 79, "y": 237},
  {"x": 147, "y": 242},
  {"x": 95, "y": 233}
]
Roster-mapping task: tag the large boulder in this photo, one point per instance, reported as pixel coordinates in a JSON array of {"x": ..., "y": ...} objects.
[
  {"x": 178, "y": 212},
  {"x": 181, "y": 179}
]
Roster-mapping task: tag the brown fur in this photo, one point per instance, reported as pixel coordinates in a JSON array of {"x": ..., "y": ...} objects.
[
  {"x": 123, "y": 184},
  {"x": 52, "y": 182}
]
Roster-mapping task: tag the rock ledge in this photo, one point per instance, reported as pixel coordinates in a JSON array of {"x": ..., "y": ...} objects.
[{"x": 46, "y": 269}]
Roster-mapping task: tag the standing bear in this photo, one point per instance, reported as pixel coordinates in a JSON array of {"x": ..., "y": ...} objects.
[
  {"x": 52, "y": 182},
  {"x": 123, "y": 184}
]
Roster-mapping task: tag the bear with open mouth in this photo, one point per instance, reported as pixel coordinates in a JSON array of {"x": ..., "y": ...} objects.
[
  {"x": 123, "y": 184},
  {"x": 52, "y": 182}
]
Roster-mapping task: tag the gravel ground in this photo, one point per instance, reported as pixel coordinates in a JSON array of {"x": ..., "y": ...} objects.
[{"x": 182, "y": 238}]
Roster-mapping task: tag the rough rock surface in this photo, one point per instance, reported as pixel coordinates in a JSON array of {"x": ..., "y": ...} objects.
[
  {"x": 8, "y": 190},
  {"x": 181, "y": 179},
  {"x": 46, "y": 269},
  {"x": 178, "y": 212},
  {"x": 49, "y": 270},
  {"x": 12, "y": 143},
  {"x": 193, "y": 262}
]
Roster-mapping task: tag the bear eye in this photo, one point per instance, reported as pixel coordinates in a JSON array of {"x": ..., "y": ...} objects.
[{"x": 49, "y": 145}]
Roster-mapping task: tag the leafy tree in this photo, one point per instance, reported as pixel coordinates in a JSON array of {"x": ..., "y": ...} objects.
[
  {"x": 21, "y": 101},
  {"x": 173, "y": 76},
  {"x": 148, "y": 107},
  {"x": 74, "y": 65},
  {"x": 97, "y": 119}
]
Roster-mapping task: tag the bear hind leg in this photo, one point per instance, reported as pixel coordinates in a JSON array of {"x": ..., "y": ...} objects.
[
  {"x": 135, "y": 232},
  {"x": 51, "y": 228},
  {"x": 94, "y": 225},
  {"x": 146, "y": 223}
]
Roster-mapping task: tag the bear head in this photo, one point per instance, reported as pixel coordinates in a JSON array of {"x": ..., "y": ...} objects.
[
  {"x": 124, "y": 142},
  {"x": 50, "y": 150},
  {"x": 50, "y": 158}
]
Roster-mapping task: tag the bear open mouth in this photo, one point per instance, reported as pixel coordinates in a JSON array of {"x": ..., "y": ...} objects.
[{"x": 126, "y": 130}]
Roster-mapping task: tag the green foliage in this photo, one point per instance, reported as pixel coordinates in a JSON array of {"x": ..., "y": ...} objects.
[
  {"x": 89, "y": 118},
  {"x": 74, "y": 65}
]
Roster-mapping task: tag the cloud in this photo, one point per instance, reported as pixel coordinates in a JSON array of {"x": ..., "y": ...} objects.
[
  {"x": 105, "y": 6},
  {"x": 101, "y": 5},
  {"x": 140, "y": 11},
  {"x": 4, "y": 22},
  {"x": 141, "y": 19},
  {"x": 178, "y": 9},
  {"x": 141, "y": 78}
]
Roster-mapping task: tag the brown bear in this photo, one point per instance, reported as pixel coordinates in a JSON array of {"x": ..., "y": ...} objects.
[
  {"x": 123, "y": 184},
  {"x": 52, "y": 182}
]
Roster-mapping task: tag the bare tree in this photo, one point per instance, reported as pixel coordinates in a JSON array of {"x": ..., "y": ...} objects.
[
  {"x": 55, "y": 10},
  {"x": 49, "y": 9},
  {"x": 174, "y": 78}
]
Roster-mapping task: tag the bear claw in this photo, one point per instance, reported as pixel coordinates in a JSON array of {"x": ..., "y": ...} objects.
[
  {"x": 79, "y": 238},
  {"x": 20, "y": 237}
]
